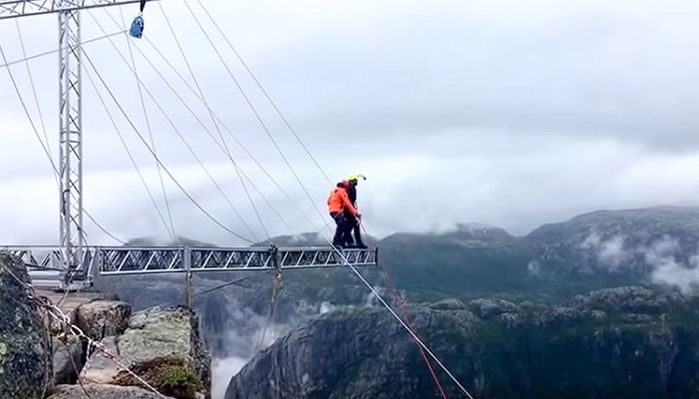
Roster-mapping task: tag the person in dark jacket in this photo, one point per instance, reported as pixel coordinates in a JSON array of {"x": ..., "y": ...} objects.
[
  {"x": 339, "y": 205},
  {"x": 353, "y": 221}
]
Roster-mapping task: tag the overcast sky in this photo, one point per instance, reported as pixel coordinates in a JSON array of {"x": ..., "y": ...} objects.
[{"x": 496, "y": 112}]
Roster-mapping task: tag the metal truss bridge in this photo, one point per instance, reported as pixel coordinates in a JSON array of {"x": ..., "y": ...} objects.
[{"x": 126, "y": 260}]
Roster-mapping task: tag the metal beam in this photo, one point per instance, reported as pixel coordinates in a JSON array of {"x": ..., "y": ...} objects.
[
  {"x": 25, "y": 8},
  {"x": 71, "y": 236}
]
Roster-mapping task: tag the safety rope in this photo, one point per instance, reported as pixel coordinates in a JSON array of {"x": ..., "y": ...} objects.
[
  {"x": 400, "y": 320},
  {"x": 62, "y": 338},
  {"x": 57, "y": 314},
  {"x": 276, "y": 287},
  {"x": 401, "y": 308}
]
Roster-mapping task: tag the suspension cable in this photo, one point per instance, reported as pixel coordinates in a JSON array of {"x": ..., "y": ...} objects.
[
  {"x": 33, "y": 86},
  {"x": 138, "y": 133},
  {"x": 213, "y": 119},
  {"x": 128, "y": 152},
  {"x": 258, "y": 117},
  {"x": 7, "y": 64},
  {"x": 264, "y": 92},
  {"x": 228, "y": 130},
  {"x": 230, "y": 133},
  {"x": 181, "y": 137},
  {"x": 150, "y": 130},
  {"x": 45, "y": 149}
]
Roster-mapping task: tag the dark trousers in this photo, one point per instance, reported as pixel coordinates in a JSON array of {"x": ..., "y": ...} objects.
[
  {"x": 340, "y": 231},
  {"x": 353, "y": 225}
]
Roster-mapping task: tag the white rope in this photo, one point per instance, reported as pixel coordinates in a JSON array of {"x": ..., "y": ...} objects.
[{"x": 400, "y": 320}]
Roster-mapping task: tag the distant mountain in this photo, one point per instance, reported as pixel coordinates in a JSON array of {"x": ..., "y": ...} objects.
[
  {"x": 150, "y": 241},
  {"x": 629, "y": 243},
  {"x": 465, "y": 262},
  {"x": 653, "y": 246}
]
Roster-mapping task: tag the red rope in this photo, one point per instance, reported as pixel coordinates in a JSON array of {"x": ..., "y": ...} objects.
[{"x": 404, "y": 315}]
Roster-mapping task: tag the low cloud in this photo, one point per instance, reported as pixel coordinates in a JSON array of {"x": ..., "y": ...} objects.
[
  {"x": 610, "y": 252},
  {"x": 665, "y": 256}
]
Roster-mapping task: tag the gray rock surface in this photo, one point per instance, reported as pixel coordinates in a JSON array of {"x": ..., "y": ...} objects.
[
  {"x": 67, "y": 360},
  {"x": 25, "y": 365},
  {"x": 101, "y": 392},
  {"x": 153, "y": 334},
  {"x": 627, "y": 299}
]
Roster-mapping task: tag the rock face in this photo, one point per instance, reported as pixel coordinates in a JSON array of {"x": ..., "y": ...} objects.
[
  {"x": 24, "y": 346},
  {"x": 586, "y": 349},
  {"x": 102, "y": 318},
  {"x": 102, "y": 392},
  {"x": 151, "y": 335}
]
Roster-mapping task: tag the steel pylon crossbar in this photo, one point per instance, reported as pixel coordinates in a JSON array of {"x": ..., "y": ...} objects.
[{"x": 25, "y": 8}]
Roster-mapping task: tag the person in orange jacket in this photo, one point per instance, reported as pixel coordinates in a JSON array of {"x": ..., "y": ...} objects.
[{"x": 338, "y": 204}]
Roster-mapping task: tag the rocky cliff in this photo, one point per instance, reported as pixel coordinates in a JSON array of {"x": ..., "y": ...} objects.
[
  {"x": 618, "y": 343},
  {"x": 161, "y": 345},
  {"x": 25, "y": 366}
]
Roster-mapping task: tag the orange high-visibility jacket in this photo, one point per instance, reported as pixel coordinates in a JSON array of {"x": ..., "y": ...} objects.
[{"x": 339, "y": 201}]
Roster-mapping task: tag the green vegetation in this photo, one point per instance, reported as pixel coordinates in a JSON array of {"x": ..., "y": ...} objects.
[
  {"x": 169, "y": 375},
  {"x": 179, "y": 382}
]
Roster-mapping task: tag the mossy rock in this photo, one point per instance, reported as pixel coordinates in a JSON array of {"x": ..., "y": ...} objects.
[
  {"x": 169, "y": 375},
  {"x": 24, "y": 356}
]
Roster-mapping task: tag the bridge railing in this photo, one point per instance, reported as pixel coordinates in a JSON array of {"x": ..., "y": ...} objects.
[{"x": 153, "y": 259}]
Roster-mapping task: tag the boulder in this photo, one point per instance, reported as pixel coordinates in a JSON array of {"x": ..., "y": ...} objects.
[
  {"x": 101, "y": 392},
  {"x": 102, "y": 318},
  {"x": 487, "y": 308},
  {"x": 25, "y": 365},
  {"x": 154, "y": 337},
  {"x": 99, "y": 369}
]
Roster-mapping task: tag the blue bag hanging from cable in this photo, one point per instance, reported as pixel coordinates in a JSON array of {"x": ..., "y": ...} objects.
[{"x": 137, "y": 24}]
